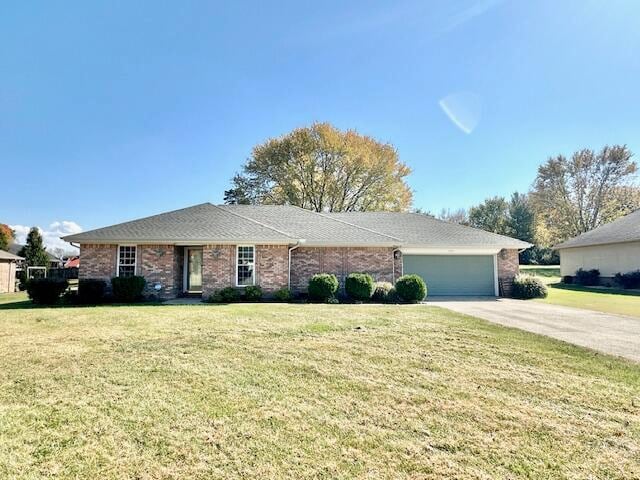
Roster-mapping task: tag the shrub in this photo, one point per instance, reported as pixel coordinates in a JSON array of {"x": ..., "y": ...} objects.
[
  {"x": 359, "y": 286},
  {"x": 127, "y": 289},
  {"x": 411, "y": 288},
  {"x": 628, "y": 280},
  {"x": 91, "y": 290},
  {"x": 527, "y": 286},
  {"x": 252, "y": 293},
  {"x": 392, "y": 296},
  {"x": 323, "y": 286},
  {"x": 283, "y": 295},
  {"x": 587, "y": 277},
  {"x": 46, "y": 291},
  {"x": 381, "y": 291},
  {"x": 229, "y": 295},
  {"x": 567, "y": 279}
]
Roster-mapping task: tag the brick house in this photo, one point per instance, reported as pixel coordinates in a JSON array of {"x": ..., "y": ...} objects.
[
  {"x": 200, "y": 249},
  {"x": 8, "y": 265}
]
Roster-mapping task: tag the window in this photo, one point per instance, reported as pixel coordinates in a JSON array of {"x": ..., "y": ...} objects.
[
  {"x": 126, "y": 261},
  {"x": 245, "y": 266}
]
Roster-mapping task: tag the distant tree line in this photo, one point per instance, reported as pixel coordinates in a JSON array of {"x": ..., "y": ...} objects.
[{"x": 569, "y": 196}]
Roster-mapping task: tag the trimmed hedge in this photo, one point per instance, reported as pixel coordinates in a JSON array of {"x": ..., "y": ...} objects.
[
  {"x": 91, "y": 290},
  {"x": 381, "y": 291},
  {"x": 411, "y": 288},
  {"x": 587, "y": 277},
  {"x": 128, "y": 289},
  {"x": 283, "y": 295},
  {"x": 252, "y": 293},
  {"x": 46, "y": 291},
  {"x": 323, "y": 286},
  {"x": 527, "y": 286},
  {"x": 628, "y": 280},
  {"x": 359, "y": 286},
  {"x": 567, "y": 279}
]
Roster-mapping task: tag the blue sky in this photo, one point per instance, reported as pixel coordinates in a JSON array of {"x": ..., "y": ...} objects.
[{"x": 115, "y": 110}]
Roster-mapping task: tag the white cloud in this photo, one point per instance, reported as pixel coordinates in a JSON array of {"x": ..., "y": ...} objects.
[{"x": 51, "y": 235}]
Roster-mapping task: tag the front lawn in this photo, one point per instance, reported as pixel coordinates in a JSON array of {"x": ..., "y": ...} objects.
[
  {"x": 607, "y": 300},
  {"x": 305, "y": 391}
]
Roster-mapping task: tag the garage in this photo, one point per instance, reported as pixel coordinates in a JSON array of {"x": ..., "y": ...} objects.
[{"x": 454, "y": 274}]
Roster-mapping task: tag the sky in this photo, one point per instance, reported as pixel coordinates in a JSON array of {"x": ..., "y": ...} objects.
[{"x": 110, "y": 111}]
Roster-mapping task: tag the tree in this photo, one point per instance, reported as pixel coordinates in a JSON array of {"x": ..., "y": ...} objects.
[
  {"x": 573, "y": 196},
  {"x": 34, "y": 252},
  {"x": 491, "y": 215},
  {"x": 521, "y": 222},
  {"x": 322, "y": 168},
  {"x": 455, "y": 216},
  {"x": 7, "y": 236}
]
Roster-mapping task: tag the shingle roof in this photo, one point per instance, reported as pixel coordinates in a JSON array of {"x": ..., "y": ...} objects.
[
  {"x": 624, "y": 229},
  {"x": 16, "y": 247},
  {"x": 207, "y": 223},
  {"x": 9, "y": 256},
  {"x": 419, "y": 230}
]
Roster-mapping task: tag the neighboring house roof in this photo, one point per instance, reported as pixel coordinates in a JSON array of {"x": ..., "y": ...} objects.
[
  {"x": 277, "y": 224},
  {"x": 16, "y": 247},
  {"x": 73, "y": 262},
  {"x": 9, "y": 256},
  {"x": 624, "y": 229}
]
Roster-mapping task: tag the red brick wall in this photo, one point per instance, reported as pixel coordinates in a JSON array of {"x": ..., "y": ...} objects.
[
  {"x": 272, "y": 267},
  {"x": 157, "y": 264},
  {"x": 97, "y": 261},
  {"x": 508, "y": 268},
  {"x": 218, "y": 268},
  {"x": 307, "y": 261}
]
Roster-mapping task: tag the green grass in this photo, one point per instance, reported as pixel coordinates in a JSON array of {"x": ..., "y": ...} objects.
[
  {"x": 305, "y": 391},
  {"x": 607, "y": 300}
]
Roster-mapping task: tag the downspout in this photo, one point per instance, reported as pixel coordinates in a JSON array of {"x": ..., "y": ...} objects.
[
  {"x": 393, "y": 264},
  {"x": 291, "y": 249}
]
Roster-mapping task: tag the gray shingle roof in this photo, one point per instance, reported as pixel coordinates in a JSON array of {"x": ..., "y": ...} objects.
[
  {"x": 624, "y": 229},
  {"x": 285, "y": 224},
  {"x": 9, "y": 256},
  {"x": 422, "y": 230}
]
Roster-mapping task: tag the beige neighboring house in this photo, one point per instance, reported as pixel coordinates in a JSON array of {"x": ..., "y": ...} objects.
[
  {"x": 612, "y": 248},
  {"x": 8, "y": 262}
]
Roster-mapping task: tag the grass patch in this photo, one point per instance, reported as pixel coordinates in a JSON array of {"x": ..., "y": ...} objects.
[
  {"x": 305, "y": 391},
  {"x": 545, "y": 271}
]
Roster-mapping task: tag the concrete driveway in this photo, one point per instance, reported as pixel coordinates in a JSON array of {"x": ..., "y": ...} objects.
[{"x": 614, "y": 334}]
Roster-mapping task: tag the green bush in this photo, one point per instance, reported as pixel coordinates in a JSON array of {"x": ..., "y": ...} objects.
[
  {"x": 359, "y": 286},
  {"x": 229, "y": 295},
  {"x": 46, "y": 291},
  {"x": 527, "y": 286},
  {"x": 323, "y": 286},
  {"x": 392, "y": 296},
  {"x": 381, "y": 291},
  {"x": 128, "y": 289},
  {"x": 567, "y": 279},
  {"x": 628, "y": 280},
  {"x": 411, "y": 288},
  {"x": 252, "y": 293},
  {"x": 91, "y": 290},
  {"x": 587, "y": 277},
  {"x": 283, "y": 295}
]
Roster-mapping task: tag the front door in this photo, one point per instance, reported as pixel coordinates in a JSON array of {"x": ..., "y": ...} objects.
[{"x": 194, "y": 270}]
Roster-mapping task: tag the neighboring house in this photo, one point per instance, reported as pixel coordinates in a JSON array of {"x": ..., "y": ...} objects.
[
  {"x": 8, "y": 264},
  {"x": 611, "y": 248},
  {"x": 200, "y": 249},
  {"x": 54, "y": 262},
  {"x": 72, "y": 262}
]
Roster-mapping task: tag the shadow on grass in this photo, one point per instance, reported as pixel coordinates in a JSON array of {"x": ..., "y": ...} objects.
[{"x": 579, "y": 288}]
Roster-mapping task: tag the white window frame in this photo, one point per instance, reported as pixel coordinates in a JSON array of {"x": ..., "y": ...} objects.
[
  {"x": 135, "y": 259},
  {"x": 253, "y": 280}
]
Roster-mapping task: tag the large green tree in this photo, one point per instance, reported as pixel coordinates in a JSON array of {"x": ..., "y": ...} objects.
[
  {"x": 323, "y": 168},
  {"x": 521, "y": 221},
  {"x": 574, "y": 195},
  {"x": 34, "y": 252},
  {"x": 7, "y": 236},
  {"x": 491, "y": 215}
]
